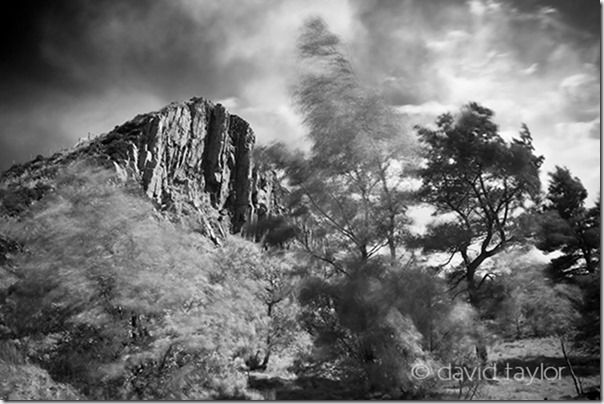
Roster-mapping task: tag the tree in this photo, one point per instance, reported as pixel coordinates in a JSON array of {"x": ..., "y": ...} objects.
[
  {"x": 348, "y": 197},
  {"x": 482, "y": 184},
  {"x": 348, "y": 200},
  {"x": 271, "y": 276},
  {"x": 566, "y": 225},
  {"x": 360, "y": 333}
]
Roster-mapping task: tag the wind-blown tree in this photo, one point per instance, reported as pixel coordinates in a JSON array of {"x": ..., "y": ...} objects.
[
  {"x": 483, "y": 184},
  {"x": 567, "y": 225},
  {"x": 348, "y": 200},
  {"x": 349, "y": 194},
  {"x": 360, "y": 333},
  {"x": 275, "y": 274}
]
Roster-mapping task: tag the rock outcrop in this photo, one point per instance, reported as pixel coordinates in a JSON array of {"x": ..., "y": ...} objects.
[
  {"x": 267, "y": 195},
  {"x": 189, "y": 154}
]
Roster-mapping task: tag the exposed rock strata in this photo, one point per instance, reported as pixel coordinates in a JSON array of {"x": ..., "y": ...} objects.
[{"x": 189, "y": 154}]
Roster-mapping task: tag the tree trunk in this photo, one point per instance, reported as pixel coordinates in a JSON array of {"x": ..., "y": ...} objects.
[
  {"x": 589, "y": 264},
  {"x": 267, "y": 356},
  {"x": 267, "y": 353},
  {"x": 392, "y": 239},
  {"x": 392, "y": 246},
  {"x": 481, "y": 346},
  {"x": 481, "y": 351},
  {"x": 576, "y": 381},
  {"x": 473, "y": 297},
  {"x": 364, "y": 253}
]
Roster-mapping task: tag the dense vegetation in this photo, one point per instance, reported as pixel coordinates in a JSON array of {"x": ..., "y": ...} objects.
[
  {"x": 103, "y": 297},
  {"x": 122, "y": 304}
]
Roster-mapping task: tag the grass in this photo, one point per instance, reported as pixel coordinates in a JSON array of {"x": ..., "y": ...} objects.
[
  {"x": 524, "y": 381},
  {"x": 562, "y": 389},
  {"x": 20, "y": 380},
  {"x": 533, "y": 356},
  {"x": 304, "y": 388},
  {"x": 548, "y": 347}
]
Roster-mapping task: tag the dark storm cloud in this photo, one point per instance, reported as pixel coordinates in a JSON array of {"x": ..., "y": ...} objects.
[
  {"x": 62, "y": 54},
  {"x": 81, "y": 67},
  {"x": 582, "y": 15},
  {"x": 87, "y": 45}
]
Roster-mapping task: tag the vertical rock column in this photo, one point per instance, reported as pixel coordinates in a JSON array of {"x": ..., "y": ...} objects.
[
  {"x": 214, "y": 155},
  {"x": 241, "y": 179}
]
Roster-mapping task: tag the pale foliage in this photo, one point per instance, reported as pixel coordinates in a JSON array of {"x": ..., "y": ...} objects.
[{"x": 121, "y": 303}]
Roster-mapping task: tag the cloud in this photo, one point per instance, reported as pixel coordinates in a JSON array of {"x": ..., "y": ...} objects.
[
  {"x": 530, "y": 62},
  {"x": 90, "y": 65},
  {"x": 581, "y": 93},
  {"x": 86, "y": 66}
]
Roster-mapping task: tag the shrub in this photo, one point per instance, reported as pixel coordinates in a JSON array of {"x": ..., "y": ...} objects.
[
  {"x": 535, "y": 307},
  {"x": 271, "y": 278},
  {"x": 120, "y": 303},
  {"x": 15, "y": 200},
  {"x": 359, "y": 333}
]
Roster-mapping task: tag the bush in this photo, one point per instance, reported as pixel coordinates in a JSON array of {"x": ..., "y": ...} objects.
[
  {"x": 534, "y": 307},
  {"x": 370, "y": 329},
  {"x": 271, "y": 277},
  {"x": 15, "y": 200},
  {"x": 359, "y": 334},
  {"x": 122, "y": 304},
  {"x": 588, "y": 324}
]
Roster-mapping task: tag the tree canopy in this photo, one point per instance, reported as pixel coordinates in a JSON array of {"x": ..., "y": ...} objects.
[
  {"x": 349, "y": 193},
  {"x": 568, "y": 226},
  {"x": 482, "y": 182}
]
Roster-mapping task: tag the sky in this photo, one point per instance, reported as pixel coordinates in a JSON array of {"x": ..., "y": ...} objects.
[{"x": 72, "y": 69}]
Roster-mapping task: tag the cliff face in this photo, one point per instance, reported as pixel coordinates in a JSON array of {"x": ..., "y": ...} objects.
[
  {"x": 189, "y": 155},
  {"x": 193, "y": 152}
]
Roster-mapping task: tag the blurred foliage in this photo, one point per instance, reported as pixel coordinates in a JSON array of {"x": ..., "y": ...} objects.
[
  {"x": 122, "y": 304},
  {"x": 348, "y": 196},
  {"x": 359, "y": 336},
  {"x": 16, "y": 199},
  {"x": 525, "y": 304},
  {"x": 370, "y": 329},
  {"x": 21, "y": 380}
]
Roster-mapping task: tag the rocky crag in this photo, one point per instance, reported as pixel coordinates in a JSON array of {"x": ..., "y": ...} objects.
[{"x": 189, "y": 157}]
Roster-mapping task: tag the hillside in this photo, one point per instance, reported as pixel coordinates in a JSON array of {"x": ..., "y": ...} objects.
[
  {"x": 190, "y": 158},
  {"x": 118, "y": 276}
]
